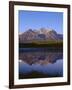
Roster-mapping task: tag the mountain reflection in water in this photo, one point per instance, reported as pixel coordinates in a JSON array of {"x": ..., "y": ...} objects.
[{"x": 40, "y": 64}]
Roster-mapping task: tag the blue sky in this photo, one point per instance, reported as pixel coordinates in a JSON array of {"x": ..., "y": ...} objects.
[{"x": 40, "y": 19}]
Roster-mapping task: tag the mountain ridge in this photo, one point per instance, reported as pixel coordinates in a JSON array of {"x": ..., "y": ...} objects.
[{"x": 39, "y": 35}]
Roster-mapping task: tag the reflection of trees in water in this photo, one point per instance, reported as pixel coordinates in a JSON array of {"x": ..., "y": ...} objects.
[{"x": 40, "y": 57}]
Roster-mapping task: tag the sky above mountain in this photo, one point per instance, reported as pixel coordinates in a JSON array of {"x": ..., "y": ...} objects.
[{"x": 40, "y": 19}]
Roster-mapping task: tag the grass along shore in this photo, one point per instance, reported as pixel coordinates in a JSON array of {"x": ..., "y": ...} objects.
[{"x": 42, "y": 44}]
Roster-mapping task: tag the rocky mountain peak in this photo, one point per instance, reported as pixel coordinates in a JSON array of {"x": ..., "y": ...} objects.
[{"x": 41, "y": 34}]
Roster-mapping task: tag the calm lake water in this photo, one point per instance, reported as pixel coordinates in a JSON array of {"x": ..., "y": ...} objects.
[{"x": 40, "y": 63}]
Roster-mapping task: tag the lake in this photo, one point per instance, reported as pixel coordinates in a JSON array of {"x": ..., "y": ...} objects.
[{"x": 40, "y": 63}]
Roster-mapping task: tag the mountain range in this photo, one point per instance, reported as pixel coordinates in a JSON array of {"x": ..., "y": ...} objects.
[{"x": 39, "y": 35}]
